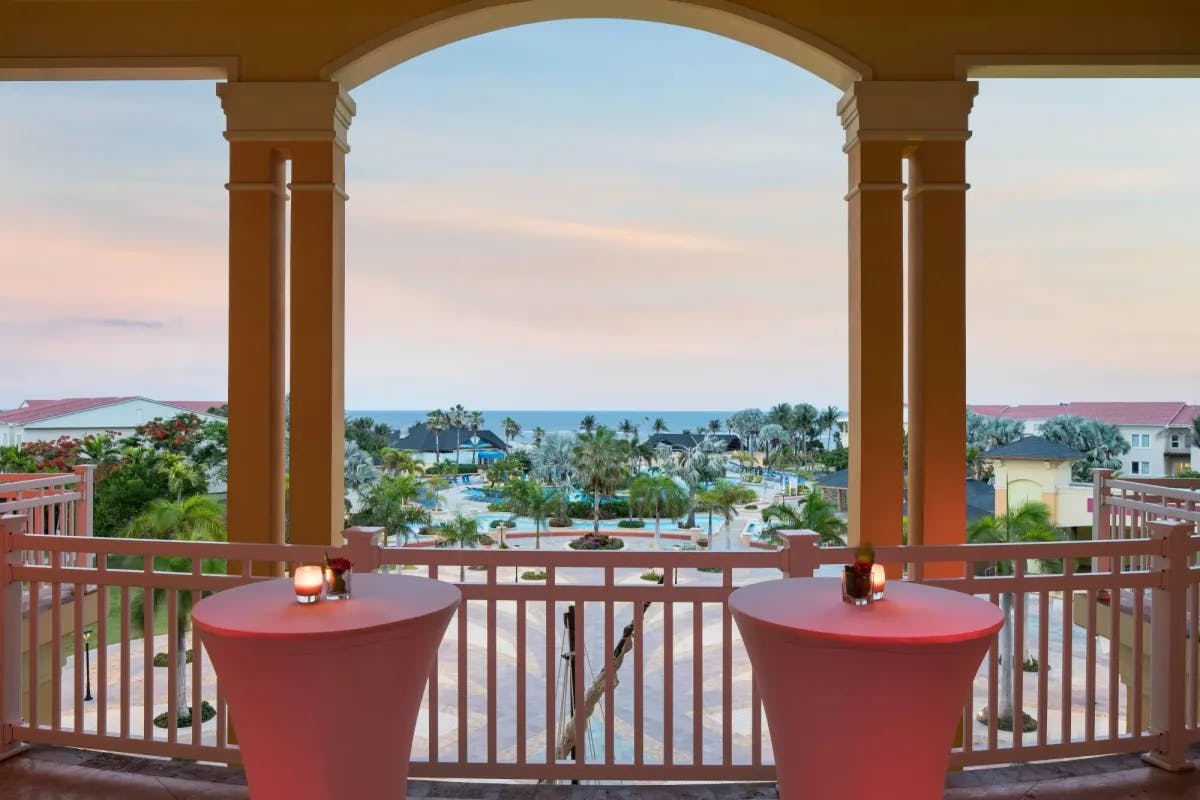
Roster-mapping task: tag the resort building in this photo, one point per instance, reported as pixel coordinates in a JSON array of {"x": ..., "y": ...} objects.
[
  {"x": 686, "y": 441},
  {"x": 76, "y": 417},
  {"x": 1158, "y": 433},
  {"x": 835, "y": 487},
  {"x": 1034, "y": 469},
  {"x": 471, "y": 445}
]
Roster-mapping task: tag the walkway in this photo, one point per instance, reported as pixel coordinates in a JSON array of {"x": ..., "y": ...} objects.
[{"x": 79, "y": 775}]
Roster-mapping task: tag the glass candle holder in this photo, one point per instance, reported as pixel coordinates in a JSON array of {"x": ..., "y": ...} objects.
[
  {"x": 337, "y": 583},
  {"x": 309, "y": 583},
  {"x": 856, "y": 587},
  {"x": 878, "y": 580}
]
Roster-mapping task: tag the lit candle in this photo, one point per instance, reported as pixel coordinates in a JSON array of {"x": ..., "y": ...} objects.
[
  {"x": 878, "y": 578},
  {"x": 308, "y": 582}
]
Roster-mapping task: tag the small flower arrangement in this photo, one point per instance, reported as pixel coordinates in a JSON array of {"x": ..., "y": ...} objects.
[
  {"x": 337, "y": 577},
  {"x": 856, "y": 577}
]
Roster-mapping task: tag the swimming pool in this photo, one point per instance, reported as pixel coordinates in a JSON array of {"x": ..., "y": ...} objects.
[{"x": 526, "y": 523}]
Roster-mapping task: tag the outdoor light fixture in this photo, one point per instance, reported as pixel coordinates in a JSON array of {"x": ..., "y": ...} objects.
[{"x": 87, "y": 662}]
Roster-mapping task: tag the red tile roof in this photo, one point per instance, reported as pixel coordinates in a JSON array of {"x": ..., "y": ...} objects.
[
  {"x": 38, "y": 410},
  {"x": 1156, "y": 414}
]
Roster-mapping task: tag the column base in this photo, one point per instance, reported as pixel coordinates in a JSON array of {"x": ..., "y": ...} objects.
[{"x": 1163, "y": 762}]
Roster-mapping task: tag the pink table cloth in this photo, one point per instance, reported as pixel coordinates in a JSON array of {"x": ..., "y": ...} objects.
[
  {"x": 862, "y": 701},
  {"x": 325, "y": 697}
]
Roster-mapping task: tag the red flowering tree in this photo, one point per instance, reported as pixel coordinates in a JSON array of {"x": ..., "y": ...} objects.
[
  {"x": 177, "y": 434},
  {"x": 61, "y": 455}
]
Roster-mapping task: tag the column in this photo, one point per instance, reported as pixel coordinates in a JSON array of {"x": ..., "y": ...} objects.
[
  {"x": 270, "y": 124},
  {"x": 255, "y": 511},
  {"x": 318, "y": 348},
  {"x": 876, "y": 480},
  {"x": 937, "y": 357}
]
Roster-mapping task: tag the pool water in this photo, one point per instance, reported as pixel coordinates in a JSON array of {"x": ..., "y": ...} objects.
[{"x": 668, "y": 525}]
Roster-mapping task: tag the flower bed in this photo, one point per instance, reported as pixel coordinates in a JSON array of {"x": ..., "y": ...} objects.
[{"x": 596, "y": 541}]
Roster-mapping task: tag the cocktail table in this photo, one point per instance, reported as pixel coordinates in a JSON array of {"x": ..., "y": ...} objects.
[
  {"x": 325, "y": 696},
  {"x": 862, "y": 701}
]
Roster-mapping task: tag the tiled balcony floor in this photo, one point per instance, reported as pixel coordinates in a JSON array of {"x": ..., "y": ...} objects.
[{"x": 61, "y": 774}]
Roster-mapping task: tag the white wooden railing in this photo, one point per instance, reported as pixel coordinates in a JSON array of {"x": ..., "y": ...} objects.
[{"x": 682, "y": 706}]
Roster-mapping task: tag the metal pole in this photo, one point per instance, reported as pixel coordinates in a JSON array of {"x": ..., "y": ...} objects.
[
  {"x": 87, "y": 663},
  {"x": 569, "y": 623}
]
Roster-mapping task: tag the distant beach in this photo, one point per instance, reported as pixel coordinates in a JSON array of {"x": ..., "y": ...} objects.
[{"x": 529, "y": 419}]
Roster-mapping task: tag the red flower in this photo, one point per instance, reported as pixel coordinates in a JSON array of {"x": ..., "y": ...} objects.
[{"x": 338, "y": 564}]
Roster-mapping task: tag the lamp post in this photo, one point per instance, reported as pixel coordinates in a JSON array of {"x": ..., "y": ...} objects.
[{"x": 87, "y": 662}]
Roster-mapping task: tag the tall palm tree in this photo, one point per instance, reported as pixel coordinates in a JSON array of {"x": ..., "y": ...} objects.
[
  {"x": 195, "y": 519},
  {"x": 392, "y": 504},
  {"x": 100, "y": 449},
  {"x": 1028, "y": 523},
  {"x": 827, "y": 422},
  {"x": 434, "y": 486},
  {"x": 458, "y": 418},
  {"x": 183, "y": 477},
  {"x": 11, "y": 460},
  {"x": 629, "y": 429},
  {"x": 588, "y": 424},
  {"x": 554, "y": 464},
  {"x": 400, "y": 462},
  {"x": 771, "y": 437},
  {"x": 722, "y": 498},
  {"x": 816, "y": 514},
  {"x": 437, "y": 421},
  {"x": 696, "y": 465},
  {"x": 600, "y": 461},
  {"x": 659, "y": 426},
  {"x": 714, "y": 426},
  {"x": 475, "y": 420},
  {"x": 804, "y": 420},
  {"x": 459, "y": 530},
  {"x": 511, "y": 429},
  {"x": 657, "y": 496},
  {"x": 539, "y": 434},
  {"x": 359, "y": 471}
]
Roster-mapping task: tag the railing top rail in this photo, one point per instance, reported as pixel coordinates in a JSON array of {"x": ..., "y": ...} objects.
[
  {"x": 234, "y": 551},
  {"x": 994, "y": 552},
  {"x": 1158, "y": 487},
  {"x": 436, "y": 556},
  {"x": 1174, "y": 512},
  {"x": 12, "y": 484},
  {"x": 12, "y": 506}
]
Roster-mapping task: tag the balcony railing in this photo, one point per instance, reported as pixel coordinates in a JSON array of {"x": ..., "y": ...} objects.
[{"x": 661, "y": 668}]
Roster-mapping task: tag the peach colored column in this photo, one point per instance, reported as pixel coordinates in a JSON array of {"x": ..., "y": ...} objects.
[
  {"x": 876, "y": 482},
  {"x": 256, "y": 325},
  {"x": 937, "y": 360},
  {"x": 318, "y": 346}
]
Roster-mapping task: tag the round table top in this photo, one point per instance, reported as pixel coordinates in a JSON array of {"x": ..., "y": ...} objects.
[
  {"x": 268, "y": 609},
  {"x": 910, "y": 613}
]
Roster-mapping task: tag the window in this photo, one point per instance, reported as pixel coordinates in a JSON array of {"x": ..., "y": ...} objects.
[
  {"x": 1140, "y": 468},
  {"x": 1139, "y": 439},
  {"x": 1174, "y": 440}
]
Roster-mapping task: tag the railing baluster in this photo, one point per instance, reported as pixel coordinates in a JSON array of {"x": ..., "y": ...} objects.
[
  {"x": 56, "y": 659},
  {"x": 1068, "y": 651},
  {"x": 492, "y": 750},
  {"x": 993, "y": 702},
  {"x": 148, "y": 651},
  {"x": 551, "y": 669},
  {"x": 463, "y": 680},
  {"x": 35, "y": 676},
  {"x": 80, "y": 675},
  {"x": 521, "y": 678},
  {"x": 1043, "y": 658},
  {"x": 173, "y": 654},
  {"x": 101, "y": 654},
  {"x": 668, "y": 675},
  {"x": 197, "y": 674},
  {"x": 609, "y": 677},
  {"x": 697, "y": 683},
  {"x": 726, "y": 674},
  {"x": 1134, "y": 716},
  {"x": 1089, "y": 717},
  {"x": 1017, "y": 667},
  {"x": 639, "y": 675},
  {"x": 125, "y": 664}
]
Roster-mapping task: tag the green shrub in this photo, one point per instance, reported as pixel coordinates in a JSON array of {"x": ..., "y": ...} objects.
[
  {"x": 752, "y": 507},
  {"x": 449, "y": 468},
  {"x": 508, "y": 523},
  {"x": 533, "y": 575},
  {"x": 596, "y": 541},
  {"x": 610, "y": 508},
  {"x": 160, "y": 659},
  {"x": 652, "y": 577},
  {"x": 631, "y": 523},
  {"x": 485, "y": 540},
  {"x": 559, "y": 522},
  {"x": 184, "y": 716},
  {"x": 503, "y": 505}
]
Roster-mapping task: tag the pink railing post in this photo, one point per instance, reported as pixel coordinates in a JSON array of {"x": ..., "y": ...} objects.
[
  {"x": 362, "y": 547},
  {"x": 801, "y": 547},
  {"x": 1168, "y": 654},
  {"x": 10, "y": 635},
  {"x": 1101, "y": 515}
]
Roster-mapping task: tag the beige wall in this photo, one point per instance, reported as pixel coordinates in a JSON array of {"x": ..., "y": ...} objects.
[{"x": 1020, "y": 480}]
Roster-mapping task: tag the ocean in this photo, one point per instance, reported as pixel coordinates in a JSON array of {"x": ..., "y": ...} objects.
[{"x": 677, "y": 421}]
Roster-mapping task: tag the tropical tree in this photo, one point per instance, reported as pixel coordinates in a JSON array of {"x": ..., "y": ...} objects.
[
  {"x": 434, "y": 486},
  {"x": 529, "y": 498},
  {"x": 1028, "y": 523},
  {"x": 658, "y": 496},
  {"x": 391, "y": 504},
  {"x": 629, "y": 429},
  {"x": 588, "y": 424},
  {"x": 714, "y": 426},
  {"x": 437, "y": 421},
  {"x": 659, "y": 426},
  {"x": 539, "y": 433},
  {"x": 475, "y": 421},
  {"x": 360, "y": 472},
  {"x": 183, "y": 477},
  {"x": 599, "y": 460},
  {"x": 722, "y": 498},
  {"x": 462, "y": 531},
  {"x": 554, "y": 464},
  {"x": 195, "y": 519},
  {"x": 804, "y": 427},
  {"x": 1101, "y": 443},
  {"x": 772, "y": 437},
  {"x": 459, "y": 416},
  {"x": 1195, "y": 432},
  {"x": 12, "y": 460},
  {"x": 696, "y": 465},
  {"x": 370, "y": 435},
  {"x": 827, "y": 421},
  {"x": 100, "y": 449},
  {"x": 815, "y": 514},
  {"x": 511, "y": 429},
  {"x": 400, "y": 462}
]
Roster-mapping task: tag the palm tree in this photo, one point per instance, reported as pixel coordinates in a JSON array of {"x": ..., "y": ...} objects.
[
  {"x": 827, "y": 422},
  {"x": 539, "y": 433},
  {"x": 600, "y": 462},
  {"x": 397, "y": 462},
  {"x": 1101, "y": 443},
  {"x": 805, "y": 418},
  {"x": 11, "y": 460},
  {"x": 771, "y": 436},
  {"x": 437, "y": 421},
  {"x": 1028, "y": 523},
  {"x": 359, "y": 470},
  {"x": 554, "y": 464},
  {"x": 714, "y": 426},
  {"x": 100, "y": 449},
  {"x": 463, "y": 531},
  {"x": 434, "y": 485},
  {"x": 475, "y": 420},
  {"x": 458, "y": 418},
  {"x": 528, "y": 497},
  {"x": 816, "y": 514},
  {"x": 722, "y": 498},
  {"x": 657, "y": 496},
  {"x": 195, "y": 519},
  {"x": 629, "y": 429},
  {"x": 588, "y": 424},
  {"x": 392, "y": 504},
  {"x": 659, "y": 426},
  {"x": 696, "y": 465},
  {"x": 183, "y": 477},
  {"x": 511, "y": 429}
]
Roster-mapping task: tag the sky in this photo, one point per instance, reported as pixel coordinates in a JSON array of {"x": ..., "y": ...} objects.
[{"x": 601, "y": 214}]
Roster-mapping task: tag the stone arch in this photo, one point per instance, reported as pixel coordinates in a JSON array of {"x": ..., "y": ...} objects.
[{"x": 732, "y": 21}]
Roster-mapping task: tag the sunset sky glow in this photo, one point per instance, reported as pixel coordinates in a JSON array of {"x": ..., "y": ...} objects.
[{"x": 602, "y": 214}]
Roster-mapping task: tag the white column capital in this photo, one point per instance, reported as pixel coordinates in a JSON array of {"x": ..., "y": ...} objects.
[
  {"x": 286, "y": 111},
  {"x": 902, "y": 111}
]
